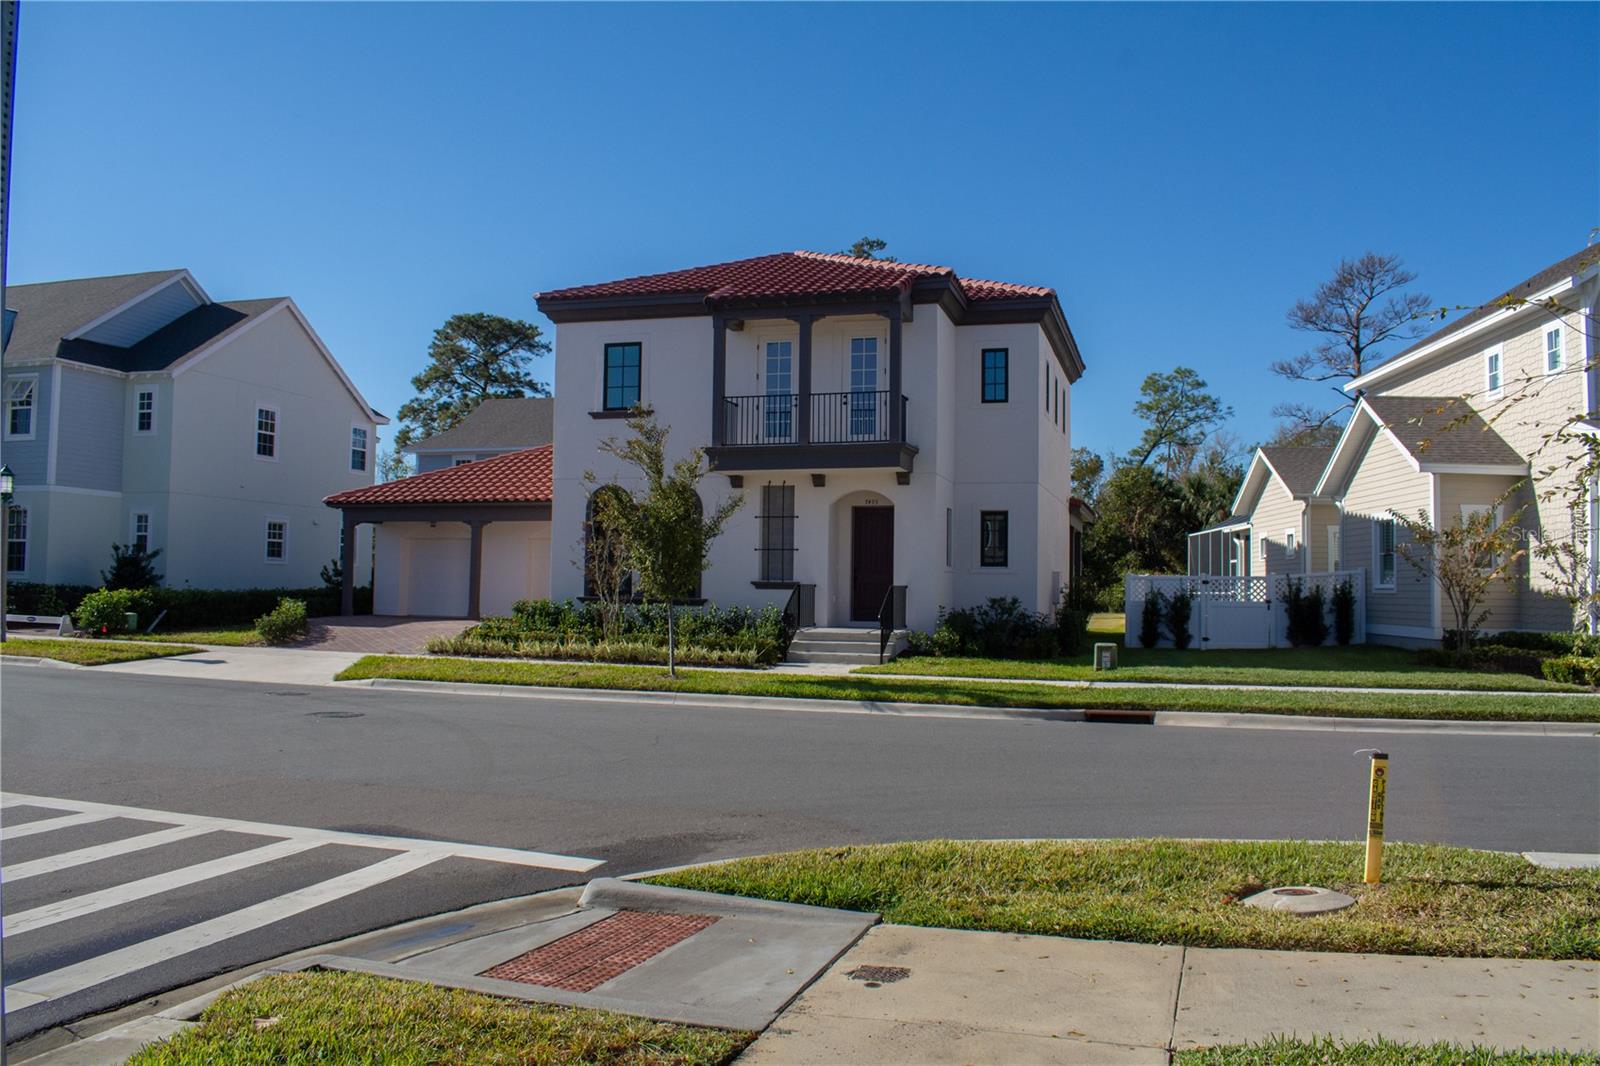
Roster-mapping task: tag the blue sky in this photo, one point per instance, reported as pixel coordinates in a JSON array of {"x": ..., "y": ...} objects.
[{"x": 1180, "y": 174}]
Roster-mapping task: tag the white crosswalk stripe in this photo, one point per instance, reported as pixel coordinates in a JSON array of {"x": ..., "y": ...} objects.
[{"x": 397, "y": 857}]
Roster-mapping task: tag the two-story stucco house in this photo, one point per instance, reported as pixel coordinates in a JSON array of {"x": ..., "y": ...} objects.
[
  {"x": 888, "y": 424},
  {"x": 138, "y": 410}
]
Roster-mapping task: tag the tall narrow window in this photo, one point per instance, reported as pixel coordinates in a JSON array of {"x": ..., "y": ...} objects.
[
  {"x": 949, "y": 537},
  {"x": 358, "y": 448},
  {"x": 16, "y": 540},
  {"x": 277, "y": 540},
  {"x": 996, "y": 375},
  {"x": 622, "y": 376},
  {"x": 1383, "y": 549},
  {"x": 864, "y": 399},
  {"x": 141, "y": 530},
  {"x": 994, "y": 538},
  {"x": 780, "y": 400},
  {"x": 1491, "y": 370},
  {"x": 1553, "y": 356},
  {"x": 777, "y": 545},
  {"x": 19, "y": 407},
  {"x": 266, "y": 433},
  {"x": 144, "y": 411},
  {"x": 1047, "y": 389}
]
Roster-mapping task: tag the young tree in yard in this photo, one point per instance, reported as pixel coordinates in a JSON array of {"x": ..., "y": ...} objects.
[
  {"x": 1179, "y": 414},
  {"x": 132, "y": 567},
  {"x": 473, "y": 356},
  {"x": 1567, "y": 562},
  {"x": 608, "y": 575},
  {"x": 1464, "y": 560},
  {"x": 666, "y": 534},
  {"x": 1357, "y": 310}
]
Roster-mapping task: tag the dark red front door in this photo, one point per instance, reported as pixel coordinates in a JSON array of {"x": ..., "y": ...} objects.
[{"x": 871, "y": 560}]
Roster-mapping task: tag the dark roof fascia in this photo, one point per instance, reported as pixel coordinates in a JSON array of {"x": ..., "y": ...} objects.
[
  {"x": 445, "y": 512},
  {"x": 1045, "y": 310},
  {"x": 613, "y": 308}
]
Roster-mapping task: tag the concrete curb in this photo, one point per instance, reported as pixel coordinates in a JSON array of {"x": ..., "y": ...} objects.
[
  {"x": 1182, "y": 719},
  {"x": 625, "y": 894}
]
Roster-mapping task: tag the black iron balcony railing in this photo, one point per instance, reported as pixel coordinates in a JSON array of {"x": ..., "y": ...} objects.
[{"x": 835, "y": 418}]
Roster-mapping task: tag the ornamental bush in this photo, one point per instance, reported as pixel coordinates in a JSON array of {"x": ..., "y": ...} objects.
[
  {"x": 1344, "y": 612},
  {"x": 104, "y": 612},
  {"x": 1573, "y": 670},
  {"x": 1150, "y": 617},
  {"x": 999, "y": 629},
  {"x": 1179, "y": 609},
  {"x": 726, "y": 635},
  {"x": 285, "y": 623},
  {"x": 1307, "y": 614}
]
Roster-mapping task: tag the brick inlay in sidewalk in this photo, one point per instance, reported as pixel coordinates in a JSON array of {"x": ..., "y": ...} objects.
[{"x": 582, "y": 961}]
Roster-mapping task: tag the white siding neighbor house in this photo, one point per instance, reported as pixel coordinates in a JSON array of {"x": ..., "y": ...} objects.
[
  {"x": 138, "y": 410},
  {"x": 1493, "y": 412},
  {"x": 892, "y": 428}
]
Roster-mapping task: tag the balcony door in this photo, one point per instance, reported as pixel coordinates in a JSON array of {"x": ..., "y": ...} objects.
[
  {"x": 778, "y": 411},
  {"x": 864, "y": 388}
]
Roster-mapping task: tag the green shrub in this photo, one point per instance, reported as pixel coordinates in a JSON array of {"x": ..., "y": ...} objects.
[
  {"x": 1558, "y": 643},
  {"x": 1150, "y": 616},
  {"x": 132, "y": 567},
  {"x": 647, "y": 652},
  {"x": 283, "y": 624},
  {"x": 1072, "y": 630},
  {"x": 33, "y": 597},
  {"x": 1573, "y": 670},
  {"x": 999, "y": 629},
  {"x": 1307, "y": 614},
  {"x": 1491, "y": 658},
  {"x": 1179, "y": 609},
  {"x": 105, "y": 611},
  {"x": 1344, "y": 612}
]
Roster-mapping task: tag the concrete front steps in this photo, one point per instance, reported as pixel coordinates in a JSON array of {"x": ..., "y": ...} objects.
[{"x": 848, "y": 647}]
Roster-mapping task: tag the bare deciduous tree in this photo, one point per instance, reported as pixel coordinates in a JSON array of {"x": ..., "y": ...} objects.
[
  {"x": 1465, "y": 559},
  {"x": 1358, "y": 309}
]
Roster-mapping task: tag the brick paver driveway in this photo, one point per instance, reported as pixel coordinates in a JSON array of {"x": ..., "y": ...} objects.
[{"x": 373, "y": 633}]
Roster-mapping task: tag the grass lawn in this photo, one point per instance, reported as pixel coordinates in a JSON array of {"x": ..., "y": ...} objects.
[
  {"x": 1434, "y": 900},
  {"x": 90, "y": 652},
  {"x": 1285, "y": 1051},
  {"x": 230, "y": 638},
  {"x": 336, "y": 1018},
  {"x": 978, "y": 693},
  {"x": 1356, "y": 666}
]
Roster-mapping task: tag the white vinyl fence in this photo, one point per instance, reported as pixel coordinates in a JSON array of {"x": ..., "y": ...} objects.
[{"x": 1239, "y": 612}]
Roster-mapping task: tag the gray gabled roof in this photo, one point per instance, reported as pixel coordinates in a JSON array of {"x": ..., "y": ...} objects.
[
  {"x": 48, "y": 311},
  {"x": 1299, "y": 466},
  {"x": 1443, "y": 430},
  {"x": 178, "y": 338},
  {"x": 497, "y": 423}
]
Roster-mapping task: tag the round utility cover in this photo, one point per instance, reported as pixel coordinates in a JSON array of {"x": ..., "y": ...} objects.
[{"x": 1300, "y": 899}]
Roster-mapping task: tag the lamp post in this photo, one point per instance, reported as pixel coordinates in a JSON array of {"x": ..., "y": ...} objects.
[{"x": 7, "y": 483}]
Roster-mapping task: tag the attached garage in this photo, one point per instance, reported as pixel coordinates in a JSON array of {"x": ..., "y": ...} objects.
[{"x": 462, "y": 542}]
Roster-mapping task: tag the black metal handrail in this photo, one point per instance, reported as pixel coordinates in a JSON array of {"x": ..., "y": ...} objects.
[
  {"x": 833, "y": 418},
  {"x": 891, "y": 616},
  {"x": 799, "y": 611}
]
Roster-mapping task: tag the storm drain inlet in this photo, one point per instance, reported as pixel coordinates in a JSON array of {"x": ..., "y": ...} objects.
[{"x": 582, "y": 961}]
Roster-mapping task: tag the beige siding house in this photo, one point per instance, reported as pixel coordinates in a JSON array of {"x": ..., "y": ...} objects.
[{"x": 1278, "y": 524}]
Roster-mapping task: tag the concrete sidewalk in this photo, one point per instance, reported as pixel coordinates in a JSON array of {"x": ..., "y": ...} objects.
[
  {"x": 277, "y": 666},
  {"x": 911, "y": 995}
]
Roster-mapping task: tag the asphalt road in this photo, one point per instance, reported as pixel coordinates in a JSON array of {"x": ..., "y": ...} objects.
[{"x": 642, "y": 787}]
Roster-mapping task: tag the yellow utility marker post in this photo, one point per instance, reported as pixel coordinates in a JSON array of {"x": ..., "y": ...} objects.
[{"x": 1376, "y": 793}]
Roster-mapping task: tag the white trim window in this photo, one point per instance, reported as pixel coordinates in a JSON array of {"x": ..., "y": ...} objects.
[
  {"x": 20, "y": 395},
  {"x": 1383, "y": 555},
  {"x": 1494, "y": 371},
  {"x": 139, "y": 530},
  {"x": 276, "y": 541},
  {"x": 144, "y": 410},
  {"x": 1290, "y": 543},
  {"x": 1554, "y": 355},
  {"x": 16, "y": 539},
  {"x": 266, "y": 432},
  {"x": 1490, "y": 560},
  {"x": 462, "y": 460},
  {"x": 358, "y": 448}
]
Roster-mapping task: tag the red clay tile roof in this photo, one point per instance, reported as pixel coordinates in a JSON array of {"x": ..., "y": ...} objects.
[
  {"x": 793, "y": 274},
  {"x": 516, "y": 477}
]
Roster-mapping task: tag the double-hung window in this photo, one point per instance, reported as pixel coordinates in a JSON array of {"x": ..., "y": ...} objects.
[
  {"x": 994, "y": 538},
  {"x": 266, "y": 433},
  {"x": 1554, "y": 358},
  {"x": 358, "y": 448},
  {"x": 1290, "y": 537},
  {"x": 778, "y": 412},
  {"x": 622, "y": 376},
  {"x": 277, "y": 540},
  {"x": 141, "y": 531},
  {"x": 996, "y": 375},
  {"x": 16, "y": 540},
  {"x": 864, "y": 388},
  {"x": 1383, "y": 568},
  {"x": 1493, "y": 378},
  {"x": 19, "y": 407},
  {"x": 144, "y": 411},
  {"x": 777, "y": 533}
]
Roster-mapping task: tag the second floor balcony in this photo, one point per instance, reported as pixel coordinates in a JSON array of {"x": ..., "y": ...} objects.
[{"x": 820, "y": 430}]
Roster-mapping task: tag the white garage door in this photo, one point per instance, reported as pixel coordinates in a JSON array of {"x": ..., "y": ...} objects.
[{"x": 438, "y": 582}]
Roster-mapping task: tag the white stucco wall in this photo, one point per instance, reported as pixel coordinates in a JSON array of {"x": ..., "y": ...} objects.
[{"x": 422, "y": 567}]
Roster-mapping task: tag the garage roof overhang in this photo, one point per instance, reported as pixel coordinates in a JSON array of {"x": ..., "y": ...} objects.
[{"x": 444, "y": 512}]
